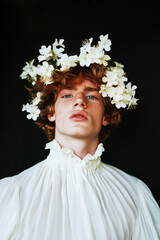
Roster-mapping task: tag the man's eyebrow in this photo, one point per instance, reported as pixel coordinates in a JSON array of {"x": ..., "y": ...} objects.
[
  {"x": 90, "y": 89},
  {"x": 87, "y": 89},
  {"x": 68, "y": 88}
]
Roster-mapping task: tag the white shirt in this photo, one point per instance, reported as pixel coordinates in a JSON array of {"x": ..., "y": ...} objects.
[{"x": 66, "y": 198}]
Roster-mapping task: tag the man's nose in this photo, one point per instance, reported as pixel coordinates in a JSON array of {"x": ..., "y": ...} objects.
[{"x": 80, "y": 101}]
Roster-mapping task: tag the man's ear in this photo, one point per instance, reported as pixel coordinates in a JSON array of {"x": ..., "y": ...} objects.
[
  {"x": 105, "y": 120},
  {"x": 51, "y": 118}
]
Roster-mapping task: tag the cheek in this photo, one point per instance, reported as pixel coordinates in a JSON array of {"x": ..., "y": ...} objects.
[
  {"x": 60, "y": 110},
  {"x": 98, "y": 110},
  {"x": 57, "y": 112},
  {"x": 99, "y": 115}
]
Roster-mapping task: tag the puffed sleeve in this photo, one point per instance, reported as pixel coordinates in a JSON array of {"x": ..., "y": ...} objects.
[
  {"x": 147, "y": 226},
  {"x": 9, "y": 208}
]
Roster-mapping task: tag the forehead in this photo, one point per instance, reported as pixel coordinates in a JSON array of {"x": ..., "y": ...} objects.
[{"x": 84, "y": 85}]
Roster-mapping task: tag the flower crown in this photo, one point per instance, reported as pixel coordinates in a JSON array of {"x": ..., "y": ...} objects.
[{"x": 53, "y": 59}]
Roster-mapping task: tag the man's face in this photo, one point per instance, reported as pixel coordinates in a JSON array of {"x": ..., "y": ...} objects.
[{"x": 79, "y": 112}]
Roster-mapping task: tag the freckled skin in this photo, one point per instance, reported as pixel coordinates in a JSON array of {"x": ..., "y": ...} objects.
[{"x": 83, "y": 97}]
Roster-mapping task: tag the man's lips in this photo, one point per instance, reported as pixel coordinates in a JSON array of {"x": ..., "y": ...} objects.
[{"x": 79, "y": 116}]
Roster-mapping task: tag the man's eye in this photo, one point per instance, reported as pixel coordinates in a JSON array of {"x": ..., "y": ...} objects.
[
  {"x": 91, "y": 97},
  {"x": 67, "y": 96}
]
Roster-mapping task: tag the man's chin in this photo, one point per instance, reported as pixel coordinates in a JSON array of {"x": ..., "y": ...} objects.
[{"x": 81, "y": 134}]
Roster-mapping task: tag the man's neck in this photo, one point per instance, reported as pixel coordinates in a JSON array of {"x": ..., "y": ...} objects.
[{"x": 80, "y": 147}]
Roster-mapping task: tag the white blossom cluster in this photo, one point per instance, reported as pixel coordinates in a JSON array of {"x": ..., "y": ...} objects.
[
  {"x": 53, "y": 59},
  {"x": 45, "y": 70},
  {"x": 32, "y": 108},
  {"x": 114, "y": 87}
]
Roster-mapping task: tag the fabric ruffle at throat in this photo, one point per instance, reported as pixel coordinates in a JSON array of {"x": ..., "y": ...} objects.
[{"x": 65, "y": 157}]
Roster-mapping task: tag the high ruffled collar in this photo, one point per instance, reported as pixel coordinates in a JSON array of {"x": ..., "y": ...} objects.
[{"x": 64, "y": 157}]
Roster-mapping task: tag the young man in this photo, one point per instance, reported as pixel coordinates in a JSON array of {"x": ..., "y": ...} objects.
[
  {"x": 79, "y": 116},
  {"x": 77, "y": 101}
]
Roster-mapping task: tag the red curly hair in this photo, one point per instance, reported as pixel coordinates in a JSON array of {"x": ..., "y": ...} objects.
[{"x": 64, "y": 79}]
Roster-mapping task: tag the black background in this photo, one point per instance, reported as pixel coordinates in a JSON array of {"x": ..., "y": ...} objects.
[{"x": 134, "y": 31}]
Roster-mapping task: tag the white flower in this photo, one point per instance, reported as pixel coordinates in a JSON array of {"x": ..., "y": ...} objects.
[
  {"x": 92, "y": 55},
  {"x": 29, "y": 70},
  {"x": 96, "y": 55},
  {"x": 104, "y": 42},
  {"x": 132, "y": 102},
  {"x": 131, "y": 89},
  {"x": 58, "y": 48},
  {"x": 118, "y": 71},
  {"x": 47, "y": 80},
  {"x": 33, "y": 72},
  {"x": 119, "y": 65},
  {"x": 67, "y": 61},
  {"x": 119, "y": 104},
  {"x": 89, "y": 55},
  {"x": 45, "y": 52},
  {"x": 32, "y": 108},
  {"x": 110, "y": 79},
  {"x": 104, "y": 59},
  {"x": 120, "y": 94},
  {"x": 114, "y": 76},
  {"x": 84, "y": 58},
  {"x": 117, "y": 93},
  {"x": 86, "y": 45},
  {"x": 37, "y": 99},
  {"x": 25, "y": 107},
  {"x": 33, "y": 111},
  {"x": 131, "y": 92},
  {"x": 45, "y": 70}
]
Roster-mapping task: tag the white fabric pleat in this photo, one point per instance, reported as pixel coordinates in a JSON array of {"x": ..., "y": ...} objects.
[{"x": 66, "y": 198}]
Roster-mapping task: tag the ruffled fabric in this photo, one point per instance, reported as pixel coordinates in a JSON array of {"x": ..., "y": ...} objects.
[
  {"x": 148, "y": 219},
  {"x": 9, "y": 208},
  {"x": 65, "y": 158},
  {"x": 65, "y": 198}
]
